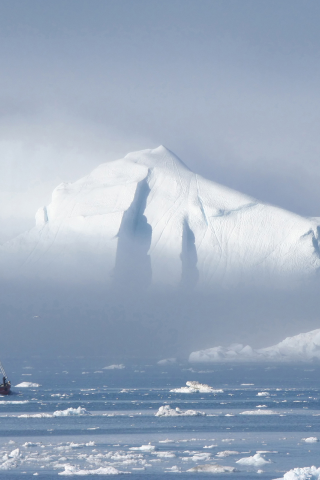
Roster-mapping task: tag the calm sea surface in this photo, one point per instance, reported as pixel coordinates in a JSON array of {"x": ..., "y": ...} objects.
[{"x": 44, "y": 433}]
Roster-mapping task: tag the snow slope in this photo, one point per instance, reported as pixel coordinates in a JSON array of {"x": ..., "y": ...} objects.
[
  {"x": 304, "y": 347},
  {"x": 147, "y": 216}
]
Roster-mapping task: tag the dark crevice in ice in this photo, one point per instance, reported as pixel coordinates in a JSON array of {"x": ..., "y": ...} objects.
[
  {"x": 133, "y": 265},
  {"x": 189, "y": 258}
]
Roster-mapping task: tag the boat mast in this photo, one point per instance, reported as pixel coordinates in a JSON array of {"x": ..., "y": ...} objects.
[{"x": 3, "y": 371}]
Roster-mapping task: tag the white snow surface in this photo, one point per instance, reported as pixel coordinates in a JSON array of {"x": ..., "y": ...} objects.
[
  {"x": 166, "y": 411},
  {"x": 304, "y": 347},
  {"x": 196, "y": 387},
  {"x": 305, "y": 473},
  {"x": 174, "y": 224}
]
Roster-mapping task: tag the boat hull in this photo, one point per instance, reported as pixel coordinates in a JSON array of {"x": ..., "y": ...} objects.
[{"x": 5, "y": 390}]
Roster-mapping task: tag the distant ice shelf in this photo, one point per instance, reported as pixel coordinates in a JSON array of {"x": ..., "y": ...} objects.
[{"x": 304, "y": 347}]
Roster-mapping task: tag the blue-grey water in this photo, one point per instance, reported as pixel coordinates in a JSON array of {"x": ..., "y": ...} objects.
[{"x": 119, "y": 418}]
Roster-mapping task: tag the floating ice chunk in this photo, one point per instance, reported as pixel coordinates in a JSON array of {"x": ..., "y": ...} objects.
[
  {"x": 310, "y": 440},
  {"x": 31, "y": 444},
  {"x": 28, "y": 385},
  {"x": 306, "y": 473},
  {"x": 71, "y": 470},
  {"x": 194, "y": 387},
  {"x": 14, "y": 402},
  {"x": 174, "y": 469},
  {"x": 165, "y": 454},
  {"x": 167, "y": 440},
  {"x": 211, "y": 469},
  {"x": 166, "y": 411},
  {"x": 226, "y": 453},
  {"x": 263, "y": 394},
  {"x": 144, "y": 448},
  {"x": 167, "y": 361},
  {"x": 114, "y": 367},
  {"x": 35, "y": 415},
  {"x": 71, "y": 411},
  {"x": 15, "y": 453},
  {"x": 259, "y": 412},
  {"x": 256, "y": 460}
]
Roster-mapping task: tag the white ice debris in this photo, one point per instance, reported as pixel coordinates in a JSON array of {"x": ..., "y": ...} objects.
[
  {"x": 167, "y": 361},
  {"x": 144, "y": 448},
  {"x": 114, "y": 367},
  {"x": 195, "y": 387},
  {"x": 166, "y": 411},
  {"x": 306, "y": 473},
  {"x": 256, "y": 460},
  {"x": 259, "y": 412},
  {"x": 71, "y": 411},
  {"x": 235, "y": 236},
  {"x": 71, "y": 470},
  {"x": 28, "y": 385},
  {"x": 58, "y": 413},
  {"x": 304, "y": 347},
  {"x": 310, "y": 440},
  {"x": 212, "y": 469},
  {"x": 263, "y": 394},
  {"x": 226, "y": 453}
]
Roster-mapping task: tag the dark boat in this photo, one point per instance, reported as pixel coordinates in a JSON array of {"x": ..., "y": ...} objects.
[{"x": 5, "y": 386}]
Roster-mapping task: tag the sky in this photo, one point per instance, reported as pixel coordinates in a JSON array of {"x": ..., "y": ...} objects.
[{"x": 230, "y": 86}]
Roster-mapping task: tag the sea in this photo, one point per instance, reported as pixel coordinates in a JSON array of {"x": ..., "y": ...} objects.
[{"x": 74, "y": 417}]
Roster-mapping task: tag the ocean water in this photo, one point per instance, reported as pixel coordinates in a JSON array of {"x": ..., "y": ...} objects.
[{"x": 270, "y": 410}]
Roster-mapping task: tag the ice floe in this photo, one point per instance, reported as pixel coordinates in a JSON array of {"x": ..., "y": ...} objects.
[
  {"x": 166, "y": 411},
  {"x": 196, "y": 387},
  {"x": 71, "y": 470},
  {"x": 58, "y": 413},
  {"x": 212, "y": 469},
  {"x": 144, "y": 448},
  {"x": 256, "y": 460},
  {"x": 305, "y": 473},
  {"x": 28, "y": 385},
  {"x": 310, "y": 440},
  {"x": 259, "y": 412}
]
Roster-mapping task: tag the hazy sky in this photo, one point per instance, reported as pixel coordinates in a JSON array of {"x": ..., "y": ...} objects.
[{"x": 231, "y": 86}]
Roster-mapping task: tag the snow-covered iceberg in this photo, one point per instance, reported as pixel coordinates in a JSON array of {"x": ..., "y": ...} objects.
[
  {"x": 304, "y": 347},
  {"x": 148, "y": 217}
]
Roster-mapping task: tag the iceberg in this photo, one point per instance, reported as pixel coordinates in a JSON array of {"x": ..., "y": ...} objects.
[
  {"x": 28, "y": 385},
  {"x": 148, "y": 219},
  {"x": 71, "y": 470},
  {"x": 256, "y": 460},
  {"x": 306, "y": 473},
  {"x": 304, "y": 347},
  {"x": 166, "y": 411},
  {"x": 196, "y": 387}
]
